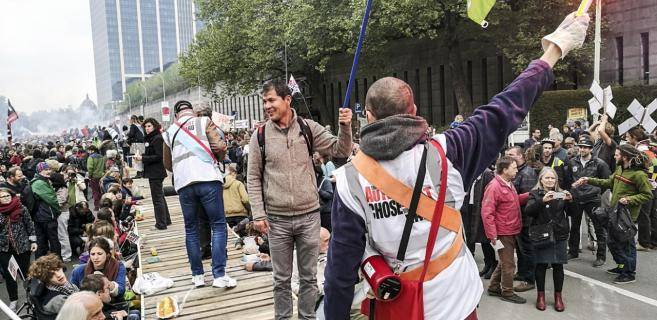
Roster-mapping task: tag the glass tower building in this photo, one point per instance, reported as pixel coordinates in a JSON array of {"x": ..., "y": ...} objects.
[{"x": 134, "y": 38}]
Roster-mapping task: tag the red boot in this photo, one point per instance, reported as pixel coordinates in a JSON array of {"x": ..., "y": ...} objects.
[
  {"x": 558, "y": 302},
  {"x": 540, "y": 300}
]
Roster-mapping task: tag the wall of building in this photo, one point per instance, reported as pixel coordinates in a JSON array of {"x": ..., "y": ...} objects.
[{"x": 627, "y": 20}]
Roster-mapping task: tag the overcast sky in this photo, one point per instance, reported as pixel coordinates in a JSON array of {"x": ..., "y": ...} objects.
[{"x": 46, "y": 53}]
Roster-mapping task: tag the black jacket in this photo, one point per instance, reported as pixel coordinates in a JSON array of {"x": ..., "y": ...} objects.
[
  {"x": 23, "y": 232},
  {"x": 595, "y": 168},
  {"x": 77, "y": 220},
  {"x": 526, "y": 179},
  {"x": 153, "y": 155},
  {"x": 542, "y": 213},
  {"x": 135, "y": 135}
]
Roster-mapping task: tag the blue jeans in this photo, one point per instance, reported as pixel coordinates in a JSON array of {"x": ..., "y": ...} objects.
[
  {"x": 210, "y": 196},
  {"x": 624, "y": 253}
]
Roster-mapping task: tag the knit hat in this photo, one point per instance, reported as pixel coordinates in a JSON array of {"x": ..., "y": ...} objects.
[
  {"x": 53, "y": 164},
  {"x": 42, "y": 166},
  {"x": 637, "y": 158}
]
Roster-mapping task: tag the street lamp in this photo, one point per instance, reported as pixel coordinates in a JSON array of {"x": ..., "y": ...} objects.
[{"x": 129, "y": 101}]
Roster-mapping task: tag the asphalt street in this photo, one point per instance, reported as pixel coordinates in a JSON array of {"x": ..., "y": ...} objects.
[{"x": 588, "y": 293}]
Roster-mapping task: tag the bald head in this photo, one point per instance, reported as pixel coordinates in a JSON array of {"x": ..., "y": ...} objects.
[{"x": 388, "y": 97}]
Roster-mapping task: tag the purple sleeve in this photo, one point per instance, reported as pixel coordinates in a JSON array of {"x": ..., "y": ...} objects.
[
  {"x": 472, "y": 146},
  {"x": 345, "y": 253}
]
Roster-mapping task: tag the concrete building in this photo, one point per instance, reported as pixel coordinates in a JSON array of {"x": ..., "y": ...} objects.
[
  {"x": 629, "y": 47},
  {"x": 133, "y": 39}
]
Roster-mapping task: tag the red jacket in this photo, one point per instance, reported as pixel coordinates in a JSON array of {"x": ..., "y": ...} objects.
[{"x": 500, "y": 210}]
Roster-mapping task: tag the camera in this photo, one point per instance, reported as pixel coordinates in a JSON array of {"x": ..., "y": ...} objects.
[{"x": 559, "y": 195}]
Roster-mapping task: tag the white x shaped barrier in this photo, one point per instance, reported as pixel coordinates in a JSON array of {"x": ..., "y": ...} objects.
[
  {"x": 640, "y": 116},
  {"x": 601, "y": 100}
]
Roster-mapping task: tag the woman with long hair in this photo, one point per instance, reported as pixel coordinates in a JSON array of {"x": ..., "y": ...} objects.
[
  {"x": 547, "y": 207},
  {"x": 154, "y": 171},
  {"x": 17, "y": 239},
  {"x": 101, "y": 259}
]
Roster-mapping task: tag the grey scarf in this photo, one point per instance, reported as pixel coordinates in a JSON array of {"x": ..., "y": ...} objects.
[
  {"x": 67, "y": 289},
  {"x": 387, "y": 138}
]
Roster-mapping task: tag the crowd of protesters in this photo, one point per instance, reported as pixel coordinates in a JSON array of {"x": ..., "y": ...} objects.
[
  {"x": 69, "y": 201},
  {"x": 542, "y": 190},
  {"x": 74, "y": 201}
]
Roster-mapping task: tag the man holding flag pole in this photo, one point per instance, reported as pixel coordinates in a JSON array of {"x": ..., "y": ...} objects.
[{"x": 388, "y": 229}]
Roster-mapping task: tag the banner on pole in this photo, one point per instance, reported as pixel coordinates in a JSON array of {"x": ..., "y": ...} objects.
[
  {"x": 241, "y": 124},
  {"x": 166, "y": 112}
]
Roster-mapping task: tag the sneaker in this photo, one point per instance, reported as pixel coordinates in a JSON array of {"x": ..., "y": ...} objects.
[
  {"x": 198, "y": 280},
  {"x": 12, "y": 306},
  {"x": 639, "y": 247},
  {"x": 616, "y": 270},
  {"x": 624, "y": 278},
  {"x": 494, "y": 293},
  {"x": 514, "y": 299},
  {"x": 224, "y": 282},
  {"x": 523, "y": 286},
  {"x": 572, "y": 256},
  {"x": 516, "y": 277},
  {"x": 598, "y": 263}
]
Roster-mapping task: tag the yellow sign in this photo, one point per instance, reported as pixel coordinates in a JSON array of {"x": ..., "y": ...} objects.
[{"x": 576, "y": 113}]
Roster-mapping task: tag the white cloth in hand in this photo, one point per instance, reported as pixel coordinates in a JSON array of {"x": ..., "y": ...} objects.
[{"x": 569, "y": 35}]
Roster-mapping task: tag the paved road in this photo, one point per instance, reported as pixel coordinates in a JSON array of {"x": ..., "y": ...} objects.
[{"x": 589, "y": 293}]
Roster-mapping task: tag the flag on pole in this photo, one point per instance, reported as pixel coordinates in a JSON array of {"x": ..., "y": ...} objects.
[
  {"x": 479, "y": 9},
  {"x": 11, "y": 117},
  {"x": 293, "y": 85}
]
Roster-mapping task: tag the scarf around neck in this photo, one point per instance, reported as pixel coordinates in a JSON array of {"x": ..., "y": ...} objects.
[
  {"x": 13, "y": 209},
  {"x": 387, "y": 138},
  {"x": 110, "y": 270},
  {"x": 67, "y": 289}
]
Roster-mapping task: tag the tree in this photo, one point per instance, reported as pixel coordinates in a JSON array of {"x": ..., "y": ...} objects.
[{"x": 245, "y": 41}]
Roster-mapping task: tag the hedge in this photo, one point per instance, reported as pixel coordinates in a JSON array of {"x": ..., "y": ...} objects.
[{"x": 552, "y": 107}]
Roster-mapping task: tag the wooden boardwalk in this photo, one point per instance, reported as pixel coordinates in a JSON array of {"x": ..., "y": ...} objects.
[{"x": 251, "y": 299}]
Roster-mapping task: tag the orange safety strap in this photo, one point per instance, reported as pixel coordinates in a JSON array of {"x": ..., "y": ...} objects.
[{"x": 375, "y": 174}]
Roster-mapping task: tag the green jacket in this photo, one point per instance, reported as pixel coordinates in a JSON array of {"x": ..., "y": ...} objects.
[
  {"x": 44, "y": 191},
  {"x": 96, "y": 166},
  {"x": 636, "y": 193}
]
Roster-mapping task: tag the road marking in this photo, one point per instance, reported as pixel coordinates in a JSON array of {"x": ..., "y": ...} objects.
[{"x": 624, "y": 292}]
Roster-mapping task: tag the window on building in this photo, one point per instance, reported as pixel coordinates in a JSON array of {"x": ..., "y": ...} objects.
[
  {"x": 500, "y": 73},
  {"x": 430, "y": 95},
  {"x": 469, "y": 78},
  {"x": 442, "y": 95},
  {"x": 645, "y": 53},
  {"x": 619, "y": 53},
  {"x": 484, "y": 80}
]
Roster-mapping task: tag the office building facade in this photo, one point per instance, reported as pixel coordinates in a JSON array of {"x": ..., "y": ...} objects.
[{"x": 133, "y": 39}]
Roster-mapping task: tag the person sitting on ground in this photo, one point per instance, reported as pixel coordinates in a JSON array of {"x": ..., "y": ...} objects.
[
  {"x": 236, "y": 200},
  {"x": 101, "y": 260},
  {"x": 128, "y": 190},
  {"x": 49, "y": 269},
  {"x": 100, "y": 285},
  {"x": 81, "y": 217},
  {"x": 82, "y": 306},
  {"x": 110, "y": 178}
]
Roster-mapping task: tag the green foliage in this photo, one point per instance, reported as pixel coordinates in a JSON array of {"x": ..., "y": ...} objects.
[
  {"x": 552, "y": 107},
  {"x": 245, "y": 41},
  {"x": 519, "y": 32},
  {"x": 135, "y": 94}
]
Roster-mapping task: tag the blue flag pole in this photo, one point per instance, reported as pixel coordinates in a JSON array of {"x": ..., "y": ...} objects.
[{"x": 354, "y": 66}]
